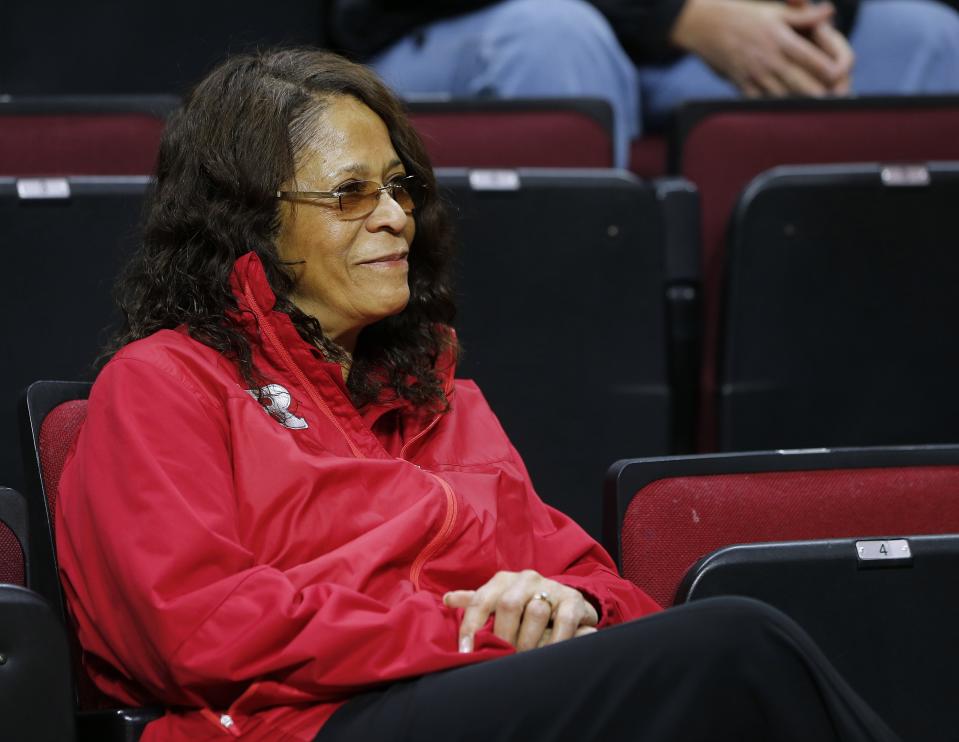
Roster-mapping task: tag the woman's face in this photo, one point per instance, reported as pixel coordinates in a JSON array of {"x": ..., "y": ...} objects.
[{"x": 350, "y": 272}]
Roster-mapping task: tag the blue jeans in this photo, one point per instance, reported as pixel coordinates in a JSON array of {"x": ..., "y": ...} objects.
[{"x": 558, "y": 48}]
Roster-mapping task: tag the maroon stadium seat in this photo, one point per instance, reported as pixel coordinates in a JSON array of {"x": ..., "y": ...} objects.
[
  {"x": 13, "y": 538},
  {"x": 662, "y": 515},
  {"x": 786, "y": 527},
  {"x": 81, "y": 135},
  {"x": 648, "y": 156},
  {"x": 51, "y": 415},
  {"x": 563, "y": 132},
  {"x": 53, "y": 412},
  {"x": 722, "y": 146},
  {"x": 59, "y": 430}
]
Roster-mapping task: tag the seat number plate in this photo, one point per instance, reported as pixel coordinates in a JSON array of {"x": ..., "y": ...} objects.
[{"x": 884, "y": 550}]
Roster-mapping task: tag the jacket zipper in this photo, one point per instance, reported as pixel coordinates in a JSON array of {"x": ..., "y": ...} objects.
[
  {"x": 446, "y": 529},
  {"x": 419, "y": 435},
  {"x": 451, "y": 507},
  {"x": 441, "y": 537},
  {"x": 297, "y": 372},
  {"x": 448, "y": 390}
]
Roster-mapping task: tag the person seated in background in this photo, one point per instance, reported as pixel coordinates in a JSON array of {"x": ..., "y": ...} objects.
[
  {"x": 285, "y": 519},
  {"x": 647, "y": 56}
]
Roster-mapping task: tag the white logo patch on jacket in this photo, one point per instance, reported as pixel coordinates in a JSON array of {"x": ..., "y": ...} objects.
[{"x": 279, "y": 406}]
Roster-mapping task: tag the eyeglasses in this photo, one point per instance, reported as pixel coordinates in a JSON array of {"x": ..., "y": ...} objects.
[{"x": 359, "y": 198}]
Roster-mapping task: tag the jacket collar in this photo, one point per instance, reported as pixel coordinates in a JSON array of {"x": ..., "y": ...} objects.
[
  {"x": 248, "y": 281},
  {"x": 248, "y": 278},
  {"x": 248, "y": 272}
]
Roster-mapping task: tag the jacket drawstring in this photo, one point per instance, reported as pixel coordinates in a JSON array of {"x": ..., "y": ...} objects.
[
  {"x": 224, "y": 722},
  {"x": 267, "y": 329}
]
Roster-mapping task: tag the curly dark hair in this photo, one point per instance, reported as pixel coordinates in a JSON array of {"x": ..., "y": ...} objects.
[{"x": 223, "y": 156}]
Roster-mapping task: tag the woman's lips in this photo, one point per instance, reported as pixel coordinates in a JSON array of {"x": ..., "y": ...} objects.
[{"x": 393, "y": 260}]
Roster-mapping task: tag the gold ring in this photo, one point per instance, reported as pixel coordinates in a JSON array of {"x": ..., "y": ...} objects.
[{"x": 543, "y": 596}]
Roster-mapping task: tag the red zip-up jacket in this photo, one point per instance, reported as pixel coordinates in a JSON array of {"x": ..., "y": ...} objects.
[{"x": 250, "y": 571}]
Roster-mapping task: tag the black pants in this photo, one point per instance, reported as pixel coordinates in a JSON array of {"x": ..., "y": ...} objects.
[{"x": 715, "y": 670}]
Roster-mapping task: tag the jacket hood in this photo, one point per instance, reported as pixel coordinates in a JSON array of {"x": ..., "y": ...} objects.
[
  {"x": 248, "y": 273},
  {"x": 254, "y": 296}
]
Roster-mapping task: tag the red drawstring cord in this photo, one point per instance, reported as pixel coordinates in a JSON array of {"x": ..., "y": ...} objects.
[{"x": 267, "y": 329}]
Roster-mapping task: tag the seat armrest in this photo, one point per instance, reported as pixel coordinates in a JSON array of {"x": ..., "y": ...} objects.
[
  {"x": 36, "y": 694},
  {"x": 115, "y": 725},
  {"x": 679, "y": 209}
]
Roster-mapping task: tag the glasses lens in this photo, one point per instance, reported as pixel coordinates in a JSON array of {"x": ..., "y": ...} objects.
[
  {"x": 359, "y": 199},
  {"x": 409, "y": 193},
  {"x": 402, "y": 190}
]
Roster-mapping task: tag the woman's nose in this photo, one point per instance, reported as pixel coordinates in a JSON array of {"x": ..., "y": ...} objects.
[{"x": 388, "y": 213}]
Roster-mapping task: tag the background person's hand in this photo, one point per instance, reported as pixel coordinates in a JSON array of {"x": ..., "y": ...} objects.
[
  {"x": 767, "y": 48},
  {"x": 521, "y": 617},
  {"x": 831, "y": 41}
]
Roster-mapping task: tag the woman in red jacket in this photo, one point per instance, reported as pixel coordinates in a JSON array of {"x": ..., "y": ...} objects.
[{"x": 284, "y": 519}]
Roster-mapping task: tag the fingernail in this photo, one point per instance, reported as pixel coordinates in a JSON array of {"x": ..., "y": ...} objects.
[{"x": 466, "y": 644}]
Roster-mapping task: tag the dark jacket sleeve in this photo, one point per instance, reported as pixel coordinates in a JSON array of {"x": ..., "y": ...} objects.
[
  {"x": 846, "y": 14},
  {"x": 362, "y": 28},
  {"x": 643, "y": 26}
]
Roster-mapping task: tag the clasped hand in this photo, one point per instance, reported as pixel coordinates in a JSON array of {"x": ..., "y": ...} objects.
[
  {"x": 529, "y": 610},
  {"x": 768, "y": 48}
]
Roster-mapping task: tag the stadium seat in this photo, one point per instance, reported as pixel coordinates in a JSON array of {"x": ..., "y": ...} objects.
[
  {"x": 839, "y": 309},
  {"x": 81, "y": 135},
  {"x": 571, "y": 315},
  {"x": 648, "y": 156},
  {"x": 878, "y": 608},
  {"x": 722, "y": 145},
  {"x": 663, "y": 514},
  {"x": 14, "y": 538},
  {"x": 36, "y": 697},
  {"x": 51, "y": 415},
  {"x": 494, "y": 133},
  {"x": 887, "y": 625}
]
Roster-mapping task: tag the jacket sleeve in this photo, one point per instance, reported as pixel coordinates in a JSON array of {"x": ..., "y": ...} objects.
[
  {"x": 566, "y": 553},
  {"x": 643, "y": 27},
  {"x": 362, "y": 28},
  {"x": 163, "y": 591},
  {"x": 846, "y": 13}
]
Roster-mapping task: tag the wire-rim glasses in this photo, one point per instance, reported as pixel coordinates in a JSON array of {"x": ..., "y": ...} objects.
[{"x": 359, "y": 198}]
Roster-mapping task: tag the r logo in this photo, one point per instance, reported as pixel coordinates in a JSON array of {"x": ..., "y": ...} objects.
[{"x": 276, "y": 402}]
